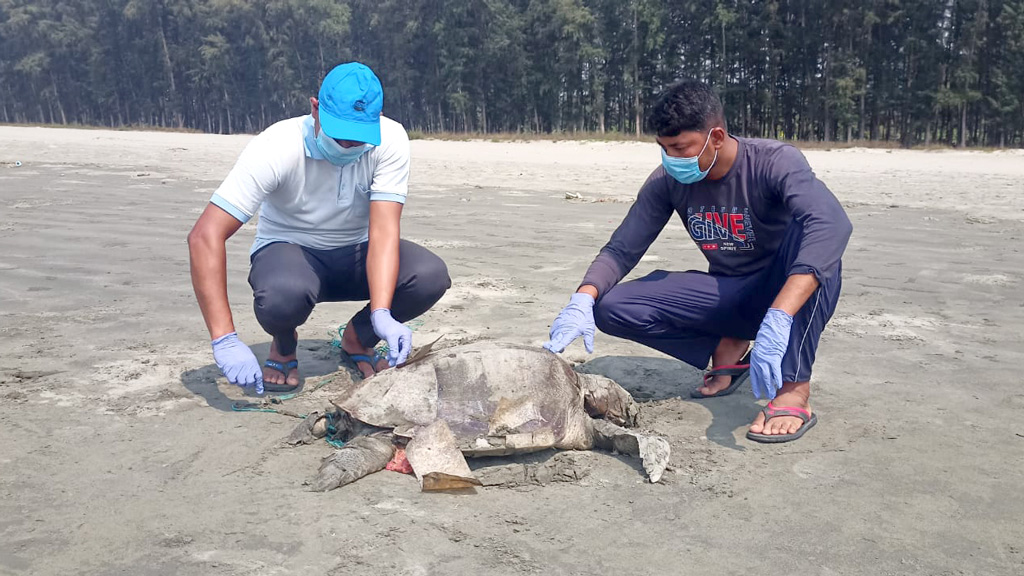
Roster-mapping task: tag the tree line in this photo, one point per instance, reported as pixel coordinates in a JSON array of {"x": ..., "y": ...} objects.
[{"x": 907, "y": 72}]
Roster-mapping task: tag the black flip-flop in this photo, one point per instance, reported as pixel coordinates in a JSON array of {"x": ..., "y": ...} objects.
[
  {"x": 283, "y": 369},
  {"x": 770, "y": 412},
  {"x": 740, "y": 372}
]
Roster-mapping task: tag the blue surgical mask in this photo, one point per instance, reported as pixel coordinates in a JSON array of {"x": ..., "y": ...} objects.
[
  {"x": 336, "y": 153},
  {"x": 687, "y": 170}
]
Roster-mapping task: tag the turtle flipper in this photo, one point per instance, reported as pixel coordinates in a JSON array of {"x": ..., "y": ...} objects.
[
  {"x": 437, "y": 461},
  {"x": 359, "y": 457},
  {"x": 603, "y": 398},
  {"x": 654, "y": 451}
]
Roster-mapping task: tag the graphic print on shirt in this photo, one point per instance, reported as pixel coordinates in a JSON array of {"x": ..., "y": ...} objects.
[{"x": 720, "y": 228}]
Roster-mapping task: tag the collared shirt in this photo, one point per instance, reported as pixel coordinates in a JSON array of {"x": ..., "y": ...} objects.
[
  {"x": 738, "y": 221},
  {"x": 304, "y": 199}
]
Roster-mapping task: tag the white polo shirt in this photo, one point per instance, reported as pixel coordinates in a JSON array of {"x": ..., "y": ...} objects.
[{"x": 304, "y": 199}]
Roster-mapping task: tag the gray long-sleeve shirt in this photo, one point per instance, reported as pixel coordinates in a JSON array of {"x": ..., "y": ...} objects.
[{"x": 738, "y": 221}]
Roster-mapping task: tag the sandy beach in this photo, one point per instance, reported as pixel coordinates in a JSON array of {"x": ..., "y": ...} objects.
[{"x": 120, "y": 453}]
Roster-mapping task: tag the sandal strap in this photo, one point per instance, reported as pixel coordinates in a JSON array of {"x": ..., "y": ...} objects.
[
  {"x": 728, "y": 370},
  {"x": 284, "y": 368},
  {"x": 771, "y": 411},
  {"x": 362, "y": 358},
  {"x": 737, "y": 369},
  {"x": 351, "y": 361}
]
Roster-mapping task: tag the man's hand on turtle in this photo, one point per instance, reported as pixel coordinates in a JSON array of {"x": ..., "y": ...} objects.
[
  {"x": 397, "y": 335},
  {"x": 575, "y": 320}
]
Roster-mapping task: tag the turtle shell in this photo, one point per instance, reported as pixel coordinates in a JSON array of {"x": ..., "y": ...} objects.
[{"x": 496, "y": 398}]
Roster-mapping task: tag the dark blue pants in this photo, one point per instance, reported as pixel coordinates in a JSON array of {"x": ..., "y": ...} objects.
[
  {"x": 686, "y": 314},
  {"x": 288, "y": 280}
]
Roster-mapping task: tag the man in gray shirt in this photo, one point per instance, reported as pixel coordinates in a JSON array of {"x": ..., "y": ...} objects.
[
  {"x": 773, "y": 235},
  {"x": 329, "y": 189}
]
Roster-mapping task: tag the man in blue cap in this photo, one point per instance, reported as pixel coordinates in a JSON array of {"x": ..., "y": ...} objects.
[{"x": 329, "y": 189}]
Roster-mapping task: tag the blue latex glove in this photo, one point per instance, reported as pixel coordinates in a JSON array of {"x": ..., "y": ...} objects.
[
  {"x": 397, "y": 335},
  {"x": 769, "y": 348},
  {"x": 575, "y": 320},
  {"x": 237, "y": 362}
]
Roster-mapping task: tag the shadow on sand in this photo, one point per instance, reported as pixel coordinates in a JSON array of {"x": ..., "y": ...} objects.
[{"x": 316, "y": 358}]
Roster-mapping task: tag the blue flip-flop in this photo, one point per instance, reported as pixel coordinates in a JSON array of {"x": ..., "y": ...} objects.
[
  {"x": 351, "y": 361},
  {"x": 283, "y": 368}
]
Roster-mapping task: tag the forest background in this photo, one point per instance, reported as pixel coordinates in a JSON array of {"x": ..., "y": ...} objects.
[{"x": 895, "y": 72}]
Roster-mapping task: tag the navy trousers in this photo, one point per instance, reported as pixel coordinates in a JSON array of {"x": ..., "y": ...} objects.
[
  {"x": 686, "y": 314},
  {"x": 288, "y": 280}
]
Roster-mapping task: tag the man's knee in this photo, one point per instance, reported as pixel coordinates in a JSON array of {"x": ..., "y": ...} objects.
[
  {"x": 427, "y": 276},
  {"x": 435, "y": 280},
  {"x": 609, "y": 317},
  {"x": 620, "y": 313},
  {"x": 283, "y": 303},
  {"x": 602, "y": 318}
]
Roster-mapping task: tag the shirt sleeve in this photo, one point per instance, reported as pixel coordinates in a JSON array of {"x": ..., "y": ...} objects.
[
  {"x": 826, "y": 227},
  {"x": 630, "y": 241},
  {"x": 257, "y": 173},
  {"x": 391, "y": 175}
]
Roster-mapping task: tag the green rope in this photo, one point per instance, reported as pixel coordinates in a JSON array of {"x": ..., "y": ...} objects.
[
  {"x": 250, "y": 407},
  {"x": 264, "y": 405},
  {"x": 336, "y": 335},
  {"x": 333, "y": 434}
]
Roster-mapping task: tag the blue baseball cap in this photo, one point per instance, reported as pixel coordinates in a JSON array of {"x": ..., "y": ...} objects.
[{"x": 350, "y": 102}]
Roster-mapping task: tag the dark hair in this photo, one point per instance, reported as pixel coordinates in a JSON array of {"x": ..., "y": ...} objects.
[{"x": 688, "y": 105}]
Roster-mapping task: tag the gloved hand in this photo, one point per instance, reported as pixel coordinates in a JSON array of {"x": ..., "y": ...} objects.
[
  {"x": 396, "y": 334},
  {"x": 575, "y": 320},
  {"x": 769, "y": 348},
  {"x": 237, "y": 362}
]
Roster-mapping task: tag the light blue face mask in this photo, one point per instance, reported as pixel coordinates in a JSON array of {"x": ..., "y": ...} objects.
[
  {"x": 687, "y": 170},
  {"x": 336, "y": 153}
]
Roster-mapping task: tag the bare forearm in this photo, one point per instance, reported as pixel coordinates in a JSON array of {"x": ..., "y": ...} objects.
[
  {"x": 208, "y": 263},
  {"x": 795, "y": 292},
  {"x": 588, "y": 289},
  {"x": 382, "y": 257}
]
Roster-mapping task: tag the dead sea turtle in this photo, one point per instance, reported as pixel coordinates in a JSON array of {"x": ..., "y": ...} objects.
[{"x": 482, "y": 399}]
